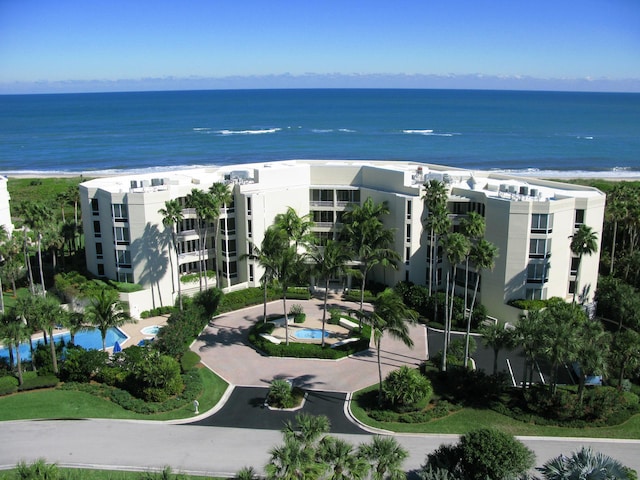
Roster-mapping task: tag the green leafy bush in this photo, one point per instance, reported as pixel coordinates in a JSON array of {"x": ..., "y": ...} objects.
[
  {"x": 405, "y": 387},
  {"x": 189, "y": 360},
  {"x": 245, "y": 298},
  {"x": 33, "y": 383},
  {"x": 530, "y": 305},
  {"x": 8, "y": 385},
  {"x": 298, "y": 293},
  {"x": 280, "y": 394},
  {"x": 82, "y": 365},
  {"x": 298, "y": 313}
]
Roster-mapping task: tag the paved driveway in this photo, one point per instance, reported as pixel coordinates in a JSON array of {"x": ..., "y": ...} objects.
[{"x": 223, "y": 347}]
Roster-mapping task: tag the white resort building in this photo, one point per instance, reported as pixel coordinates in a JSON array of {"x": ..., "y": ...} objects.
[
  {"x": 529, "y": 220},
  {"x": 5, "y": 211}
]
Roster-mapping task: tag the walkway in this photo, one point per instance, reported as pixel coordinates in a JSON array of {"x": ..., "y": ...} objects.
[{"x": 223, "y": 348}]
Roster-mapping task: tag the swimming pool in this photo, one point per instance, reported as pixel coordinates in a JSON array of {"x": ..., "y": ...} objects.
[
  {"x": 309, "y": 334},
  {"x": 151, "y": 330},
  {"x": 90, "y": 339}
]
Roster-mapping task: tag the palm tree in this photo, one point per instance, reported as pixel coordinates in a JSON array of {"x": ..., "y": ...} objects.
[
  {"x": 527, "y": 335},
  {"x": 105, "y": 312},
  {"x": 37, "y": 217},
  {"x": 222, "y": 196},
  {"x": 368, "y": 239},
  {"x": 386, "y": 457},
  {"x": 50, "y": 313},
  {"x": 298, "y": 229},
  {"x": 472, "y": 226},
  {"x": 584, "y": 464},
  {"x": 483, "y": 255},
  {"x": 343, "y": 459},
  {"x": 172, "y": 217},
  {"x": 592, "y": 350},
  {"x": 293, "y": 461},
  {"x": 624, "y": 353},
  {"x": 437, "y": 221},
  {"x": 201, "y": 203},
  {"x": 583, "y": 242},
  {"x": 12, "y": 266},
  {"x": 3, "y": 238},
  {"x": 329, "y": 262},
  {"x": 288, "y": 263},
  {"x": 496, "y": 336},
  {"x": 272, "y": 244},
  {"x": 457, "y": 247},
  {"x": 13, "y": 332},
  {"x": 616, "y": 211},
  {"x": 308, "y": 428},
  {"x": 390, "y": 315}
]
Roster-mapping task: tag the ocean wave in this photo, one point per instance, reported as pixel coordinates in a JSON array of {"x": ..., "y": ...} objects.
[
  {"x": 248, "y": 132},
  {"x": 346, "y": 130},
  {"x": 429, "y": 133},
  {"x": 322, "y": 130},
  {"x": 201, "y": 129},
  {"x": 616, "y": 172}
]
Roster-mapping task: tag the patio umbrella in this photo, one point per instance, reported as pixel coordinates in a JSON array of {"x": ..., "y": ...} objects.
[{"x": 116, "y": 347}]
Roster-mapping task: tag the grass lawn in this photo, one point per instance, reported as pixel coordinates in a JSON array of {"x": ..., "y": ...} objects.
[
  {"x": 469, "y": 419},
  {"x": 58, "y": 404},
  {"x": 88, "y": 474}
]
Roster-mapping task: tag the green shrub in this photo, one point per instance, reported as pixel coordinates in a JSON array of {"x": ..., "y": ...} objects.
[
  {"x": 298, "y": 293},
  {"x": 406, "y": 387},
  {"x": 245, "y": 298},
  {"x": 8, "y": 385},
  {"x": 82, "y": 365},
  {"x": 33, "y": 383},
  {"x": 298, "y": 313},
  {"x": 209, "y": 300},
  {"x": 280, "y": 394},
  {"x": 126, "y": 287},
  {"x": 530, "y": 305},
  {"x": 354, "y": 296}
]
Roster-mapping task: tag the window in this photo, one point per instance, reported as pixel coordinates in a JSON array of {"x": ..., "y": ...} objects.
[
  {"x": 120, "y": 213},
  {"x": 575, "y": 261},
  {"x": 99, "y": 254},
  {"x": 232, "y": 268},
  {"x": 248, "y": 205},
  {"x": 579, "y": 217},
  {"x": 541, "y": 223},
  {"x": 249, "y": 229},
  {"x": 409, "y": 209},
  {"x": 322, "y": 238},
  {"x": 537, "y": 272},
  {"x": 535, "y": 294},
  {"x": 229, "y": 248},
  {"x": 572, "y": 287},
  {"x": 96, "y": 229},
  {"x": 408, "y": 239},
  {"x": 251, "y": 275},
  {"x": 94, "y": 206},
  {"x": 123, "y": 258},
  {"x": 321, "y": 197},
  {"x": 228, "y": 226},
  {"x": 125, "y": 277},
  {"x": 407, "y": 255},
  {"x": 121, "y": 235},
  {"x": 346, "y": 197},
  {"x": 101, "y": 270},
  {"x": 322, "y": 216},
  {"x": 539, "y": 247}
]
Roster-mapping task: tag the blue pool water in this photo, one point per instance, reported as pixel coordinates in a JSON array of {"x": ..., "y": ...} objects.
[
  {"x": 91, "y": 340},
  {"x": 310, "y": 334},
  {"x": 152, "y": 330}
]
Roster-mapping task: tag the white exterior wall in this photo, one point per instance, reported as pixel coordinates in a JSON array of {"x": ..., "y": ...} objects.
[
  {"x": 271, "y": 188},
  {"x": 5, "y": 210}
]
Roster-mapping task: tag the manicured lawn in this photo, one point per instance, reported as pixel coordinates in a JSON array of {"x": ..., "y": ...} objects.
[
  {"x": 88, "y": 474},
  {"x": 469, "y": 419},
  {"x": 52, "y": 403}
]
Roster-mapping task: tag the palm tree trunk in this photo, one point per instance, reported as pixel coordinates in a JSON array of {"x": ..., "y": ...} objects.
[
  {"x": 27, "y": 262},
  {"x": 52, "y": 348},
  {"x": 175, "y": 247},
  {"x": 575, "y": 288},
  {"x": 324, "y": 310},
  {"x": 19, "y": 364},
  {"x": 286, "y": 318},
  {"x": 1, "y": 298},
  {"x": 468, "y": 335},
  {"x": 378, "y": 342},
  {"x": 44, "y": 291},
  {"x": 264, "y": 314},
  {"x": 446, "y": 323},
  {"x": 432, "y": 261}
]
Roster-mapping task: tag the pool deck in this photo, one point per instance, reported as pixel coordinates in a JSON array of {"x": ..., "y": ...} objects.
[{"x": 133, "y": 330}]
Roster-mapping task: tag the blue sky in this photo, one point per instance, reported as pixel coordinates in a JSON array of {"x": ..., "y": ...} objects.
[{"x": 95, "y": 45}]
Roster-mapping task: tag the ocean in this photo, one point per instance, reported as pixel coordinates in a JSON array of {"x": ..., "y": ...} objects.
[{"x": 530, "y": 133}]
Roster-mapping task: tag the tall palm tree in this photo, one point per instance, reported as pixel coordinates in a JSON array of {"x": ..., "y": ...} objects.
[
  {"x": 389, "y": 316},
  {"x": 13, "y": 332},
  {"x": 51, "y": 314},
  {"x": 3, "y": 238},
  {"x": 457, "y": 247},
  {"x": 105, "y": 312},
  {"x": 368, "y": 239},
  {"x": 172, "y": 217},
  {"x": 201, "y": 202},
  {"x": 624, "y": 353},
  {"x": 307, "y": 429},
  {"x": 473, "y": 227},
  {"x": 483, "y": 256},
  {"x": 583, "y": 242},
  {"x": 329, "y": 262},
  {"x": 288, "y": 264},
  {"x": 342, "y": 459},
  {"x": 12, "y": 265},
  {"x": 37, "y": 217},
  {"x": 273, "y": 242},
  {"x": 592, "y": 351},
  {"x": 297, "y": 228},
  {"x": 437, "y": 221},
  {"x": 222, "y": 196},
  {"x": 386, "y": 456},
  {"x": 584, "y": 464},
  {"x": 527, "y": 335},
  {"x": 616, "y": 212}
]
